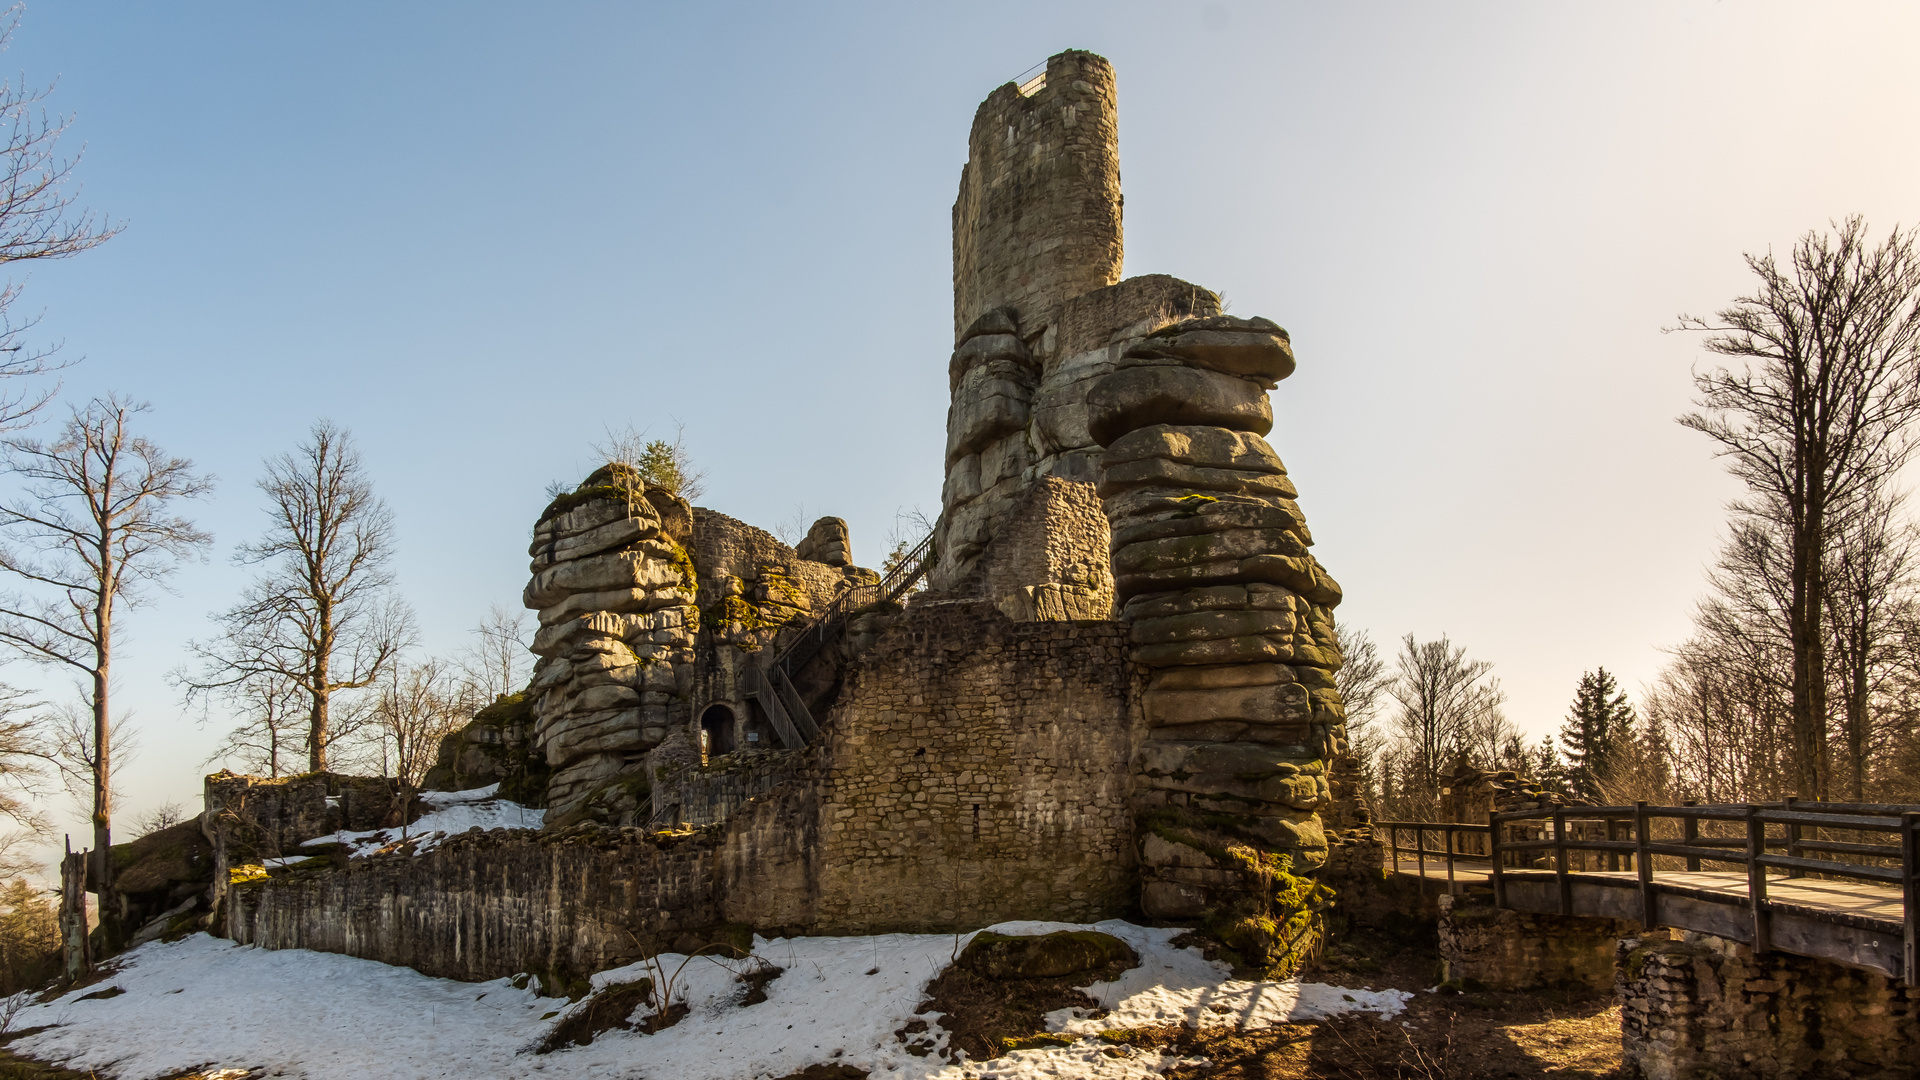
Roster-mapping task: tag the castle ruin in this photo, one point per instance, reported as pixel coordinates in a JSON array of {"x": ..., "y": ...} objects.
[{"x": 1103, "y": 686}]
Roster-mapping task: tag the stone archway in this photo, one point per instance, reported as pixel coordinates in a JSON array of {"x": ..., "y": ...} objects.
[{"x": 716, "y": 730}]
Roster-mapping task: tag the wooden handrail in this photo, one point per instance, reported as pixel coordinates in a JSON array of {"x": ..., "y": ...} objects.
[{"x": 1779, "y": 837}]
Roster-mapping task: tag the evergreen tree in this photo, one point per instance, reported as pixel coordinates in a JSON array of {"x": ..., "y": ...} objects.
[
  {"x": 1598, "y": 734},
  {"x": 1548, "y": 771}
]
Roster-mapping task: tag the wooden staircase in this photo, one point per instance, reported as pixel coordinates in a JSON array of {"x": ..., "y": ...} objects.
[{"x": 772, "y": 685}]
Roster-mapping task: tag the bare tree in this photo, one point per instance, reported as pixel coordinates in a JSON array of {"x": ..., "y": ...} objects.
[
  {"x": 1449, "y": 707},
  {"x": 165, "y": 816},
  {"x": 93, "y": 528},
  {"x": 497, "y": 663},
  {"x": 273, "y": 723},
  {"x": 24, "y": 753},
  {"x": 1815, "y": 419},
  {"x": 1870, "y": 589},
  {"x": 322, "y": 614},
  {"x": 38, "y": 219},
  {"x": 419, "y": 705}
]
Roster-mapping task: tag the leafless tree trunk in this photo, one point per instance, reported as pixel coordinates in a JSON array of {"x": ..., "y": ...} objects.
[
  {"x": 497, "y": 662},
  {"x": 322, "y": 614},
  {"x": 1448, "y": 706},
  {"x": 1870, "y": 586},
  {"x": 93, "y": 527},
  {"x": 419, "y": 705},
  {"x": 1815, "y": 419},
  {"x": 272, "y": 718}
]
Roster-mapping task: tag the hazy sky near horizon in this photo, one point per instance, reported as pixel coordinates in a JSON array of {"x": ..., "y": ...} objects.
[{"x": 480, "y": 234}]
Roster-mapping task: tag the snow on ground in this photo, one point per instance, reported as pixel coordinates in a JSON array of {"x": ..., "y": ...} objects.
[
  {"x": 205, "y": 1002},
  {"x": 449, "y": 813}
]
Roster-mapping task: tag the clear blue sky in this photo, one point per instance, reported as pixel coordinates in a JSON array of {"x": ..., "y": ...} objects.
[{"x": 479, "y": 234}]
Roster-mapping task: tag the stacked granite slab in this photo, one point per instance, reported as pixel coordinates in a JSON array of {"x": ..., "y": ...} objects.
[
  {"x": 991, "y": 376},
  {"x": 614, "y": 590},
  {"x": 1230, "y": 612}
]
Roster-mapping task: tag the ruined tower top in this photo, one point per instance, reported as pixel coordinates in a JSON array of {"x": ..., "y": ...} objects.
[{"x": 1037, "y": 221}]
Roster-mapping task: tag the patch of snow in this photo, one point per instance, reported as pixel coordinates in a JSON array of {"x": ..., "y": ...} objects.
[
  {"x": 1181, "y": 986},
  {"x": 449, "y": 813},
  {"x": 202, "y": 1002}
]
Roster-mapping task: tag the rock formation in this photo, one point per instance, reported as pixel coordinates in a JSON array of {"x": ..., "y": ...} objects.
[
  {"x": 828, "y": 541},
  {"x": 1229, "y": 610},
  {"x": 614, "y": 590}
]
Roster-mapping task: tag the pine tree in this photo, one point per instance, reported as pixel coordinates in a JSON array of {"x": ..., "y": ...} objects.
[
  {"x": 1597, "y": 735},
  {"x": 1548, "y": 771}
]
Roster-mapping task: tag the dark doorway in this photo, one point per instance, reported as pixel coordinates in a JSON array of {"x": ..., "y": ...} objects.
[{"x": 716, "y": 730}]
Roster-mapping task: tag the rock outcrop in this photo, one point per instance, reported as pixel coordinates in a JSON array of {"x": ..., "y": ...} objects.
[
  {"x": 496, "y": 747},
  {"x": 828, "y": 541},
  {"x": 614, "y": 590},
  {"x": 1229, "y": 611}
]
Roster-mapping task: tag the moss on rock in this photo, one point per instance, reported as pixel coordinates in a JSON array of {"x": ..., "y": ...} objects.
[{"x": 1043, "y": 956}]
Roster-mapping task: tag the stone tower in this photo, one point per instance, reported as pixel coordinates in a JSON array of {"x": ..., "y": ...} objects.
[
  {"x": 1039, "y": 313},
  {"x": 1105, "y": 460},
  {"x": 1037, "y": 221}
]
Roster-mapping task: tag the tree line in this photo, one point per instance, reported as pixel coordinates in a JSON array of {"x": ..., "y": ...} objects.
[{"x": 1802, "y": 673}]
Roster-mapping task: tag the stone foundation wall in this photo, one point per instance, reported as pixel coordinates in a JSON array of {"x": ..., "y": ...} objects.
[
  {"x": 487, "y": 905},
  {"x": 1703, "y": 1006},
  {"x": 1484, "y": 946},
  {"x": 706, "y": 795},
  {"x": 977, "y": 770}
]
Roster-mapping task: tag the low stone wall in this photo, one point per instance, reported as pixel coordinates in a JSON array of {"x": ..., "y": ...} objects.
[
  {"x": 709, "y": 794},
  {"x": 1483, "y": 946},
  {"x": 1703, "y": 1006},
  {"x": 486, "y": 905}
]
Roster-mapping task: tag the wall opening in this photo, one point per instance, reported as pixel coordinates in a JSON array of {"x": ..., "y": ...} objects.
[{"x": 716, "y": 731}]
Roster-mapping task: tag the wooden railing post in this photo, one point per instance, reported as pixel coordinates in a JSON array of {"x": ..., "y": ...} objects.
[
  {"x": 1560, "y": 861},
  {"x": 1450, "y": 846},
  {"x": 1643, "y": 865},
  {"x": 1910, "y": 887},
  {"x": 1613, "y": 857},
  {"x": 1692, "y": 826},
  {"x": 1757, "y": 882},
  {"x": 1793, "y": 837},
  {"x": 1495, "y": 856},
  {"x": 1420, "y": 853}
]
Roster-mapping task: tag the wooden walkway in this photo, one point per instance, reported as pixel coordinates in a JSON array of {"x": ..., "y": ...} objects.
[{"x": 1806, "y": 884}]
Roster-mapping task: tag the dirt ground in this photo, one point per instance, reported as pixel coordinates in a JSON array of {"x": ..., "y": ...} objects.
[{"x": 1464, "y": 1036}]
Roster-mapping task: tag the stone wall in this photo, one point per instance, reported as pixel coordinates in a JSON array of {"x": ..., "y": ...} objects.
[
  {"x": 1056, "y": 565},
  {"x": 700, "y": 795},
  {"x": 486, "y": 905},
  {"x": 248, "y": 818},
  {"x": 1484, "y": 947},
  {"x": 1703, "y": 1006},
  {"x": 975, "y": 771}
]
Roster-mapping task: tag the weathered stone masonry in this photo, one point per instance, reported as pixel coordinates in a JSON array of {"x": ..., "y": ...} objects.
[{"x": 976, "y": 771}]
